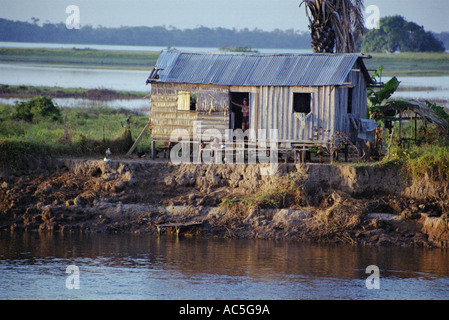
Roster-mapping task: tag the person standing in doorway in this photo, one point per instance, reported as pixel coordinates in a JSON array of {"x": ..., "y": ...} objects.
[{"x": 245, "y": 113}]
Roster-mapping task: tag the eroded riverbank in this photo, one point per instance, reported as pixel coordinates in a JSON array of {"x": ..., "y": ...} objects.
[{"x": 319, "y": 203}]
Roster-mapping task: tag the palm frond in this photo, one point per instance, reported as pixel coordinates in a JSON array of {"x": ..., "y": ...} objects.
[{"x": 344, "y": 17}]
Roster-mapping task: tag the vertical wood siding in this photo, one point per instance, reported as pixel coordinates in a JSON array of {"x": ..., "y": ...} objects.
[{"x": 275, "y": 111}]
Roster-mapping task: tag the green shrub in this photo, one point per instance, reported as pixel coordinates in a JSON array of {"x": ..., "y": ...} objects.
[{"x": 36, "y": 108}]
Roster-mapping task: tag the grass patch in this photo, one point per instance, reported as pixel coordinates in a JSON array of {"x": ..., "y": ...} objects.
[
  {"x": 284, "y": 192},
  {"x": 410, "y": 63},
  {"x": 27, "y": 92},
  {"x": 97, "y": 58},
  {"x": 430, "y": 162},
  {"x": 90, "y": 131}
]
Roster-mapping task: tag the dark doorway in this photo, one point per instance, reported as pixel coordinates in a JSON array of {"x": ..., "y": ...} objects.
[{"x": 235, "y": 119}]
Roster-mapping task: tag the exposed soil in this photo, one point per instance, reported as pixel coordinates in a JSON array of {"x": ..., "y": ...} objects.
[{"x": 322, "y": 203}]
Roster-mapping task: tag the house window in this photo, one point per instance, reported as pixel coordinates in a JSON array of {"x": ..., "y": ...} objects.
[
  {"x": 301, "y": 102},
  {"x": 349, "y": 109},
  {"x": 192, "y": 101},
  {"x": 186, "y": 101}
]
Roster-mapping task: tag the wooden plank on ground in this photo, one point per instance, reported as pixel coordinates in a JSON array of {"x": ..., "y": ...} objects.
[{"x": 138, "y": 139}]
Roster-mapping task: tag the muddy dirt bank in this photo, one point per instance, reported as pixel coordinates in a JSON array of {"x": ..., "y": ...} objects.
[{"x": 322, "y": 203}]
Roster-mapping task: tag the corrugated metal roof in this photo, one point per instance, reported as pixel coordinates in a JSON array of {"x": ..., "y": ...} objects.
[{"x": 243, "y": 69}]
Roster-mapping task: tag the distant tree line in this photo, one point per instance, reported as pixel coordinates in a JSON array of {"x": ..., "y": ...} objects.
[
  {"x": 394, "y": 34},
  {"x": 18, "y": 31}
]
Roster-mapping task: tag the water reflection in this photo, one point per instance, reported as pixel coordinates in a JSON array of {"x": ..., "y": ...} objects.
[{"x": 137, "y": 266}]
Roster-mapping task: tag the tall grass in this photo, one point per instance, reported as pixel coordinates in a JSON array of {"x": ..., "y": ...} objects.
[
  {"x": 426, "y": 159},
  {"x": 89, "y": 131},
  {"x": 429, "y": 162}
]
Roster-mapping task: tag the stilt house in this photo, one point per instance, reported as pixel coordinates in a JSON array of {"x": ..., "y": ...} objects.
[{"x": 297, "y": 94}]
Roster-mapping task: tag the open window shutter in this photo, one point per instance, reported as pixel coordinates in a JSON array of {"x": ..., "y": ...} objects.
[{"x": 184, "y": 100}]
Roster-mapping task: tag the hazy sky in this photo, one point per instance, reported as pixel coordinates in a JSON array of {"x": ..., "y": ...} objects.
[{"x": 262, "y": 14}]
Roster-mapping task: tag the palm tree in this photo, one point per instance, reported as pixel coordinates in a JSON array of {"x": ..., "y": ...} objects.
[{"x": 334, "y": 24}]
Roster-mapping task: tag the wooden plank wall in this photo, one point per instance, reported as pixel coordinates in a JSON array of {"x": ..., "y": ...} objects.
[
  {"x": 359, "y": 93},
  {"x": 359, "y": 100},
  {"x": 212, "y": 109}
]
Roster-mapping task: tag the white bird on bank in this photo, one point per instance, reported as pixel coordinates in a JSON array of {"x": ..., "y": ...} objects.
[{"x": 108, "y": 153}]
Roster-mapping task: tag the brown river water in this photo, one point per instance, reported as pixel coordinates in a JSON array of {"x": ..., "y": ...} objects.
[{"x": 126, "y": 266}]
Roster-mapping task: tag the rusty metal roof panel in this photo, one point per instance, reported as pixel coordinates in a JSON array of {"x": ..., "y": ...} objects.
[{"x": 253, "y": 69}]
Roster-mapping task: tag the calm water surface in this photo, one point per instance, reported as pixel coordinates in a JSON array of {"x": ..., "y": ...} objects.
[
  {"x": 33, "y": 266},
  {"x": 71, "y": 77}
]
